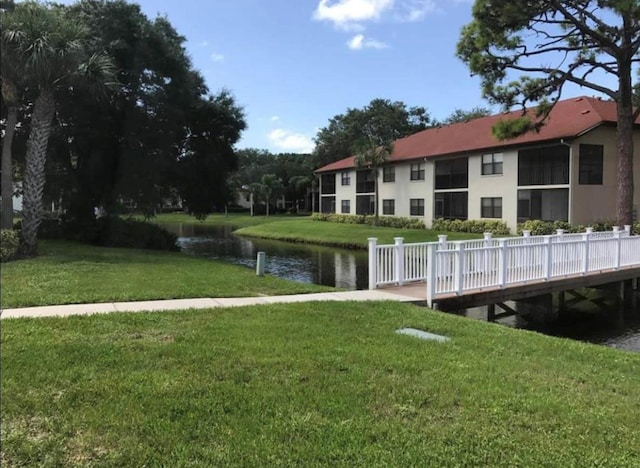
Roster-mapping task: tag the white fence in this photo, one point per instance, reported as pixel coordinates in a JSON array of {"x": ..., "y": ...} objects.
[{"x": 456, "y": 267}]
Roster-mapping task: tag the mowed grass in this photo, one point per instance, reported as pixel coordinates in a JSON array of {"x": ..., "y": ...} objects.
[
  {"x": 342, "y": 235},
  {"x": 314, "y": 384},
  {"x": 68, "y": 273},
  {"x": 233, "y": 219},
  {"x": 303, "y": 229}
]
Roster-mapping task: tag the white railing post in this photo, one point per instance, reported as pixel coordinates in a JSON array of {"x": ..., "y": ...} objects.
[
  {"x": 627, "y": 229},
  {"x": 616, "y": 234},
  {"x": 488, "y": 242},
  {"x": 442, "y": 240},
  {"x": 548, "y": 262},
  {"x": 526, "y": 234},
  {"x": 399, "y": 263},
  {"x": 373, "y": 262},
  {"x": 458, "y": 284},
  {"x": 502, "y": 267},
  {"x": 431, "y": 273},
  {"x": 585, "y": 264}
]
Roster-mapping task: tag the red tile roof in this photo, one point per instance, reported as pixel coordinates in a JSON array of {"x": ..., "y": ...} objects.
[{"x": 568, "y": 119}]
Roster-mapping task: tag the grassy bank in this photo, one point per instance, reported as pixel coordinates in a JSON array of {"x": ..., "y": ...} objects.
[
  {"x": 67, "y": 273},
  {"x": 233, "y": 219},
  {"x": 303, "y": 230},
  {"x": 341, "y": 235},
  {"x": 321, "y": 384}
]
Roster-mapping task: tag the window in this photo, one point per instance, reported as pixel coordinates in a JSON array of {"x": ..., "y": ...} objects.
[
  {"x": 365, "y": 204},
  {"x": 365, "y": 182},
  {"x": 452, "y": 173},
  {"x": 590, "y": 165},
  {"x": 328, "y": 205},
  {"x": 544, "y": 166},
  {"x": 492, "y": 164},
  {"x": 417, "y": 171},
  {"x": 491, "y": 208},
  {"x": 547, "y": 205},
  {"x": 388, "y": 207},
  {"x": 417, "y": 207},
  {"x": 389, "y": 174},
  {"x": 346, "y": 206},
  {"x": 451, "y": 205},
  {"x": 328, "y": 182},
  {"x": 346, "y": 178}
]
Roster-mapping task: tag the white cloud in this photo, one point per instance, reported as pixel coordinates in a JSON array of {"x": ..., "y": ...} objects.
[
  {"x": 348, "y": 14},
  {"x": 204, "y": 44},
  {"x": 287, "y": 140},
  {"x": 274, "y": 118},
  {"x": 217, "y": 57},
  {"x": 415, "y": 10},
  {"x": 359, "y": 42}
]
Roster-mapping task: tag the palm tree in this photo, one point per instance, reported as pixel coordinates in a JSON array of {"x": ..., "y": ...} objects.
[
  {"x": 271, "y": 186},
  {"x": 52, "y": 52},
  {"x": 372, "y": 153}
]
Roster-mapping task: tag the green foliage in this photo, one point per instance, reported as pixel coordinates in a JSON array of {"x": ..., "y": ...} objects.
[
  {"x": 505, "y": 129},
  {"x": 383, "y": 221},
  {"x": 9, "y": 244},
  {"x": 392, "y": 120},
  {"x": 460, "y": 115},
  {"x": 539, "y": 228},
  {"x": 496, "y": 227}
]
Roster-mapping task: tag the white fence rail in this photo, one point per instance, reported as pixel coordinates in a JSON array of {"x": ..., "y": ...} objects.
[{"x": 456, "y": 267}]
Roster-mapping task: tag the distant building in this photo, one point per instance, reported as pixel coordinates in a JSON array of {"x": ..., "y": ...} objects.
[{"x": 566, "y": 171}]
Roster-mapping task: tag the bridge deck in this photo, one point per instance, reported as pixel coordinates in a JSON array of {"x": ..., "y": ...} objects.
[{"x": 515, "y": 291}]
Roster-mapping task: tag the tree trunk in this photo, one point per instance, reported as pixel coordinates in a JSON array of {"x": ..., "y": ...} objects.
[
  {"x": 376, "y": 219},
  {"x": 7, "y": 169},
  {"x": 34, "y": 177},
  {"x": 624, "y": 194}
]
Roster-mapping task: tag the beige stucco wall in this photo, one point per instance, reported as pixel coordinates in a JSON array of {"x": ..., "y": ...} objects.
[
  {"x": 598, "y": 202},
  {"x": 588, "y": 203}
]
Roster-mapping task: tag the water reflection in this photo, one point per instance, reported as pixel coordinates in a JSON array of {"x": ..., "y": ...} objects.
[{"x": 298, "y": 262}]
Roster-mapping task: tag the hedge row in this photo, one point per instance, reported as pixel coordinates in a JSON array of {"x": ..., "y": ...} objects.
[
  {"x": 475, "y": 226},
  {"x": 109, "y": 232},
  {"x": 541, "y": 228},
  {"x": 384, "y": 221}
]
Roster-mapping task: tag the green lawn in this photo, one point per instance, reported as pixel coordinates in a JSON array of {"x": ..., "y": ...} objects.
[
  {"x": 317, "y": 384},
  {"x": 67, "y": 273},
  {"x": 342, "y": 235},
  {"x": 304, "y": 230},
  {"x": 233, "y": 219}
]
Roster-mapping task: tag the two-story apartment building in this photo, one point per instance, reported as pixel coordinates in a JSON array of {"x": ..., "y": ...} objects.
[{"x": 566, "y": 171}]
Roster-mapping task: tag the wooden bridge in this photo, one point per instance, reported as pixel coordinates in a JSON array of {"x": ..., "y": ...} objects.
[{"x": 490, "y": 271}]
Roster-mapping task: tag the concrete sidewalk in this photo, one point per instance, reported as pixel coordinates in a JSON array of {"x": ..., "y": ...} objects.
[{"x": 202, "y": 303}]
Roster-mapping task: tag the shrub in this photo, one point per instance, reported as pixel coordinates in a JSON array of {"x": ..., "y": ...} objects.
[
  {"x": 475, "y": 226},
  {"x": 117, "y": 232},
  {"x": 9, "y": 244},
  {"x": 384, "y": 221},
  {"x": 543, "y": 228}
]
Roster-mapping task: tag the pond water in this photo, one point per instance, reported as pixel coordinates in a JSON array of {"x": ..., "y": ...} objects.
[{"x": 617, "y": 325}]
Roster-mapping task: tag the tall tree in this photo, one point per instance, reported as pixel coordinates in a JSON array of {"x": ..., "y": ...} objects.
[
  {"x": 373, "y": 150},
  {"x": 554, "y": 43},
  {"x": 460, "y": 115},
  {"x": 163, "y": 135},
  {"x": 336, "y": 140},
  {"x": 52, "y": 54},
  {"x": 270, "y": 186}
]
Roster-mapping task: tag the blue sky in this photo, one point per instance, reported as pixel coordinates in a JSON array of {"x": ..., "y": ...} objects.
[{"x": 294, "y": 64}]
